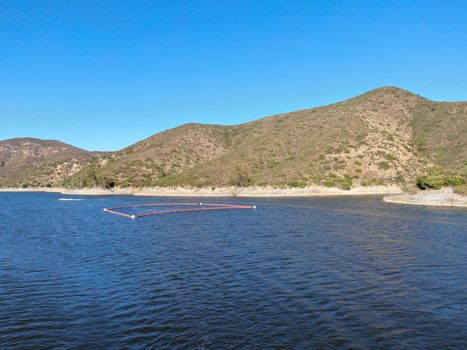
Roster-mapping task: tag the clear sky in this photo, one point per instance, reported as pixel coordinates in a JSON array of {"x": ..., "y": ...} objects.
[{"x": 104, "y": 74}]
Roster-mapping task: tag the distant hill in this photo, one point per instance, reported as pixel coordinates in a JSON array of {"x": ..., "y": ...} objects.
[
  {"x": 34, "y": 162},
  {"x": 387, "y": 135}
]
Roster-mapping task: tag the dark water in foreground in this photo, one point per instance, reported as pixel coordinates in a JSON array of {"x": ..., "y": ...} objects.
[{"x": 295, "y": 273}]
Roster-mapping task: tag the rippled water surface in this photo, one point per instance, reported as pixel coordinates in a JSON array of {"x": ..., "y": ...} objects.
[{"x": 294, "y": 273}]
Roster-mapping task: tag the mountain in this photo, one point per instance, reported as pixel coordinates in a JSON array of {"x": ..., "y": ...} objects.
[
  {"x": 387, "y": 135},
  {"x": 33, "y": 162}
]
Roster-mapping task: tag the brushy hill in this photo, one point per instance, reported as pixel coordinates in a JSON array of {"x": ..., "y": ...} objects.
[
  {"x": 29, "y": 162},
  {"x": 440, "y": 133},
  {"x": 387, "y": 135},
  {"x": 162, "y": 155}
]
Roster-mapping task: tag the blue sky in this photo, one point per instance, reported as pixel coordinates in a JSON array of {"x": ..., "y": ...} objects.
[{"x": 104, "y": 74}]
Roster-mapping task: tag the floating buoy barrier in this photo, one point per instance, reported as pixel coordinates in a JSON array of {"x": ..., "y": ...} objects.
[{"x": 193, "y": 207}]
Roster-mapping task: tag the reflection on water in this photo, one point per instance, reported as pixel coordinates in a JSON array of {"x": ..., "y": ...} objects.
[{"x": 330, "y": 273}]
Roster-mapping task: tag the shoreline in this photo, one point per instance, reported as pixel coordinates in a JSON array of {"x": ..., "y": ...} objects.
[
  {"x": 311, "y": 191},
  {"x": 444, "y": 197},
  {"x": 390, "y": 194}
]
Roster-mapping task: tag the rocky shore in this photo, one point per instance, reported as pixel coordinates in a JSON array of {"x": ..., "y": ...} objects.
[{"x": 444, "y": 197}]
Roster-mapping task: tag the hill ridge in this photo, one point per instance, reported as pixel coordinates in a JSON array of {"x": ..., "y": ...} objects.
[{"x": 386, "y": 135}]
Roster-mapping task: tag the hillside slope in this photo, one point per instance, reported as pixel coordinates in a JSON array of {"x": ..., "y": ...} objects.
[
  {"x": 385, "y": 136},
  {"x": 33, "y": 162}
]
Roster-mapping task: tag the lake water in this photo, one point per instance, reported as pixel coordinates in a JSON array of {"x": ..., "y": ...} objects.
[{"x": 294, "y": 273}]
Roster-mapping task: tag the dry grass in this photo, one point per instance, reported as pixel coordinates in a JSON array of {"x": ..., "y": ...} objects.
[
  {"x": 387, "y": 135},
  {"x": 34, "y": 162}
]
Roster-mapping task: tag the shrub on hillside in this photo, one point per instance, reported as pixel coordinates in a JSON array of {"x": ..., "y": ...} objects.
[
  {"x": 329, "y": 183},
  {"x": 435, "y": 182},
  {"x": 372, "y": 182},
  {"x": 240, "y": 179},
  {"x": 107, "y": 183},
  {"x": 344, "y": 183},
  {"x": 438, "y": 180},
  {"x": 454, "y": 180},
  {"x": 296, "y": 184},
  {"x": 383, "y": 165}
]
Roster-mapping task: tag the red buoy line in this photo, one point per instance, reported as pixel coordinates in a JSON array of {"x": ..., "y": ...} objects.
[{"x": 206, "y": 207}]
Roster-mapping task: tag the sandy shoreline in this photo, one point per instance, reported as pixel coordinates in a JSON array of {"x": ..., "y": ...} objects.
[
  {"x": 444, "y": 198},
  {"x": 221, "y": 191}
]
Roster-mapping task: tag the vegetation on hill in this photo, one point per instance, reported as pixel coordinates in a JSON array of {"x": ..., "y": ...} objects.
[
  {"x": 385, "y": 136},
  {"x": 440, "y": 133},
  {"x": 29, "y": 162}
]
